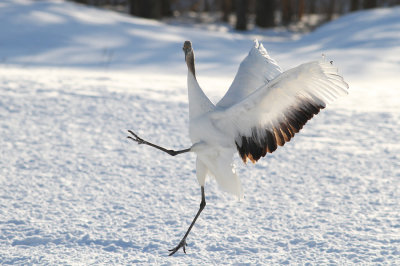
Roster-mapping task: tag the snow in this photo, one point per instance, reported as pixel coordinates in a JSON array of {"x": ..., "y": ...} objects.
[{"x": 74, "y": 190}]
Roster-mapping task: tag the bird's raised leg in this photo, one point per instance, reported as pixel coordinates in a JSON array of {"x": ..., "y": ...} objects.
[
  {"x": 183, "y": 244},
  {"x": 139, "y": 140}
]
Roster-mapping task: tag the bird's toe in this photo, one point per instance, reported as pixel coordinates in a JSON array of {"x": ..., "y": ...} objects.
[{"x": 181, "y": 244}]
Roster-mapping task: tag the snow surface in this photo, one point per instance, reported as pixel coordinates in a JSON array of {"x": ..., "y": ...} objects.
[{"x": 74, "y": 190}]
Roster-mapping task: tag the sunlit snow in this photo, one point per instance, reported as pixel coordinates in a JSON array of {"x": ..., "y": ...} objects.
[{"x": 74, "y": 190}]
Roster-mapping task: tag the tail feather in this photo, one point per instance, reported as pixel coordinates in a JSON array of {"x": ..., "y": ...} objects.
[{"x": 221, "y": 168}]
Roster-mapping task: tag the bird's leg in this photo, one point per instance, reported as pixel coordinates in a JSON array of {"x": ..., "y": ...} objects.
[
  {"x": 183, "y": 244},
  {"x": 139, "y": 140}
]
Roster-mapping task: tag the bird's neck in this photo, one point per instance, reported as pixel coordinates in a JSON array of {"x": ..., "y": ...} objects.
[
  {"x": 198, "y": 101},
  {"x": 190, "y": 63}
]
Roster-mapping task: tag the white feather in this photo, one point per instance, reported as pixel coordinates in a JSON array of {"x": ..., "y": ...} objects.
[
  {"x": 257, "y": 69},
  {"x": 317, "y": 81},
  {"x": 260, "y": 98},
  {"x": 199, "y": 103}
]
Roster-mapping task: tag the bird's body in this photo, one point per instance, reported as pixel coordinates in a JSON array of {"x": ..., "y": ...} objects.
[{"x": 263, "y": 109}]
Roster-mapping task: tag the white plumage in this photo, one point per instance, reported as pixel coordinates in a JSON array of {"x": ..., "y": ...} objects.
[
  {"x": 260, "y": 99},
  {"x": 263, "y": 109}
]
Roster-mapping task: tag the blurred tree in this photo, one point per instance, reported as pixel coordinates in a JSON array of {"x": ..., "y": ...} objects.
[
  {"x": 287, "y": 11},
  {"x": 370, "y": 4},
  {"x": 226, "y": 9},
  {"x": 354, "y": 5},
  {"x": 241, "y": 14},
  {"x": 312, "y": 7},
  {"x": 166, "y": 10},
  {"x": 265, "y": 13},
  {"x": 150, "y": 8},
  {"x": 300, "y": 9},
  {"x": 330, "y": 9}
]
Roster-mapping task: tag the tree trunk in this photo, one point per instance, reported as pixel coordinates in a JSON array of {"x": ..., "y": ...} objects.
[
  {"x": 354, "y": 5},
  {"x": 370, "y": 4},
  {"x": 331, "y": 9},
  {"x": 265, "y": 13},
  {"x": 287, "y": 11},
  {"x": 312, "y": 7},
  {"x": 241, "y": 14},
  {"x": 226, "y": 9},
  {"x": 300, "y": 7},
  {"x": 166, "y": 8},
  {"x": 146, "y": 8}
]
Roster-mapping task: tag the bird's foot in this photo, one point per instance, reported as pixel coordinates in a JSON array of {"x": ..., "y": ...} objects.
[
  {"x": 136, "y": 138},
  {"x": 181, "y": 244}
]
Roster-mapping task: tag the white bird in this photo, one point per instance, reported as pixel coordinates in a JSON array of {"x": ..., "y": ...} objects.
[{"x": 263, "y": 109}]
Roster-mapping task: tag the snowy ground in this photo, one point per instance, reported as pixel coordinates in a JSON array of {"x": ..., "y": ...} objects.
[{"x": 74, "y": 190}]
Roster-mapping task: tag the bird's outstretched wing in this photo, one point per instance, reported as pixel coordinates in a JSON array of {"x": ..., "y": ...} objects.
[
  {"x": 257, "y": 69},
  {"x": 273, "y": 113}
]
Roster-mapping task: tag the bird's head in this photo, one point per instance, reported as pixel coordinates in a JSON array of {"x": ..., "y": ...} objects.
[
  {"x": 187, "y": 48},
  {"x": 189, "y": 56}
]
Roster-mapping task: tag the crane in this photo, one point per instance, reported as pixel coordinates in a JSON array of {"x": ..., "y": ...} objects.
[{"x": 263, "y": 108}]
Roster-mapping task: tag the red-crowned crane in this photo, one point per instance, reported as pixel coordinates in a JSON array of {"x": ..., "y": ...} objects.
[{"x": 263, "y": 109}]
